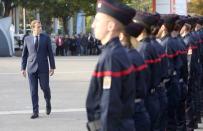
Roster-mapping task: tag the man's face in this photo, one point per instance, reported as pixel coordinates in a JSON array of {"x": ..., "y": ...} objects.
[
  {"x": 37, "y": 28},
  {"x": 183, "y": 29},
  {"x": 161, "y": 30},
  {"x": 198, "y": 27},
  {"x": 100, "y": 26}
]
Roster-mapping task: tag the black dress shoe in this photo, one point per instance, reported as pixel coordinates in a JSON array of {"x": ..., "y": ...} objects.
[
  {"x": 48, "y": 108},
  {"x": 34, "y": 115}
]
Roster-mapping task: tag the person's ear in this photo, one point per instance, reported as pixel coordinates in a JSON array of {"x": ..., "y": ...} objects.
[{"x": 111, "y": 26}]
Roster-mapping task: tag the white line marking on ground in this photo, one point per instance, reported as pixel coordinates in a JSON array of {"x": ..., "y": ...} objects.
[
  {"x": 42, "y": 111},
  {"x": 76, "y": 60},
  {"x": 73, "y": 72}
]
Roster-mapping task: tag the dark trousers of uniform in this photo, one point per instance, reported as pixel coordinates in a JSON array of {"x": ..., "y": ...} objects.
[
  {"x": 43, "y": 79},
  {"x": 201, "y": 92},
  {"x": 190, "y": 121},
  {"x": 189, "y": 112},
  {"x": 141, "y": 117},
  {"x": 153, "y": 107},
  {"x": 181, "y": 115},
  {"x": 197, "y": 101},
  {"x": 201, "y": 96},
  {"x": 173, "y": 93},
  {"x": 163, "y": 108},
  {"x": 195, "y": 86}
]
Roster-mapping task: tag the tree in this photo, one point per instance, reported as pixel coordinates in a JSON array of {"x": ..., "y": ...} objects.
[
  {"x": 63, "y": 9},
  {"x": 195, "y": 6},
  {"x": 143, "y": 5},
  {"x": 8, "y": 6}
]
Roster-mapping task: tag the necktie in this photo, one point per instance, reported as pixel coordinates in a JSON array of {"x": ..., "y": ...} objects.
[{"x": 36, "y": 42}]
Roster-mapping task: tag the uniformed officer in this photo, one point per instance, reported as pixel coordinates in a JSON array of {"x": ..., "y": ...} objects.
[
  {"x": 151, "y": 57},
  {"x": 183, "y": 76},
  {"x": 162, "y": 66},
  {"x": 196, "y": 36},
  {"x": 199, "y": 29},
  {"x": 110, "y": 100},
  {"x": 192, "y": 62},
  {"x": 174, "y": 64},
  {"x": 128, "y": 40}
]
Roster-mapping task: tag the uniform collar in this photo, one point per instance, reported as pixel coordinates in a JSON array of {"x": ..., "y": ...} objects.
[
  {"x": 166, "y": 36},
  {"x": 147, "y": 39},
  {"x": 112, "y": 42}
]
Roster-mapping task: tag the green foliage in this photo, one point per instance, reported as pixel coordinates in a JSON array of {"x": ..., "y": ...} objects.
[
  {"x": 195, "y": 7},
  {"x": 143, "y": 5},
  {"x": 63, "y": 9}
]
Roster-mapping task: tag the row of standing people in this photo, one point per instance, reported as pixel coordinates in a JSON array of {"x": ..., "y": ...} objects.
[
  {"x": 77, "y": 45},
  {"x": 149, "y": 74}
]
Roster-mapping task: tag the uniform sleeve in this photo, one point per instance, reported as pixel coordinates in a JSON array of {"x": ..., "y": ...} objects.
[
  {"x": 141, "y": 86},
  {"x": 93, "y": 99},
  {"x": 118, "y": 92}
]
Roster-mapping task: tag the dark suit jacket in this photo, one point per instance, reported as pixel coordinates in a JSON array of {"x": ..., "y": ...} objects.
[{"x": 37, "y": 60}]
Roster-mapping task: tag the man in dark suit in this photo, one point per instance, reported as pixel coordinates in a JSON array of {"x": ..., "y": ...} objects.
[{"x": 37, "y": 49}]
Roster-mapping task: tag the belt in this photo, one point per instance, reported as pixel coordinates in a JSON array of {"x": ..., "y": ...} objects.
[
  {"x": 166, "y": 80},
  {"x": 174, "y": 73},
  {"x": 181, "y": 80},
  {"x": 162, "y": 84},
  {"x": 152, "y": 90},
  {"x": 138, "y": 100}
]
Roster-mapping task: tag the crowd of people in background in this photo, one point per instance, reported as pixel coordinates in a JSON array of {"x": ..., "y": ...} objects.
[{"x": 81, "y": 44}]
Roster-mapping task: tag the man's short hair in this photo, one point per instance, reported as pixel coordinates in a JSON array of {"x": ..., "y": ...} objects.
[{"x": 33, "y": 23}]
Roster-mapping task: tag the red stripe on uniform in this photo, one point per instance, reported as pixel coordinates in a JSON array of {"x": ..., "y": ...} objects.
[
  {"x": 163, "y": 55},
  {"x": 114, "y": 74},
  {"x": 151, "y": 61},
  {"x": 140, "y": 68},
  {"x": 172, "y": 55},
  {"x": 194, "y": 47}
]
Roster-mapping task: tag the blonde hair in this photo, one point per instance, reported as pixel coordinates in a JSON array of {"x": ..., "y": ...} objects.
[{"x": 33, "y": 23}]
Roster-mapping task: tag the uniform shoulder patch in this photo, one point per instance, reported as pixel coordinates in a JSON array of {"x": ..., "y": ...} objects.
[{"x": 107, "y": 82}]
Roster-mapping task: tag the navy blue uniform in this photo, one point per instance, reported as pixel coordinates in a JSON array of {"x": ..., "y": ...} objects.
[
  {"x": 173, "y": 91},
  {"x": 148, "y": 52},
  {"x": 198, "y": 73},
  {"x": 111, "y": 93},
  {"x": 192, "y": 61},
  {"x": 183, "y": 80},
  {"x": 162, "y": 67},
  {"x": 201, "y": 61},
  {"x": 141, "y": 116}
]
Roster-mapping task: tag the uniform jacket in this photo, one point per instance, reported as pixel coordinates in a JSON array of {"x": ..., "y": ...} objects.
[{"x": 111, "y": 92}]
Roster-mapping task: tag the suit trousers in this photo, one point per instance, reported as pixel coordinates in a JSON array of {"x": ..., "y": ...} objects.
[{"x": 43, "y": 79}]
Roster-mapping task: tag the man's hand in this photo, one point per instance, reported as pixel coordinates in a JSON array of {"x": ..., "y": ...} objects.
[
  {"x": 51, "y": 72},
  {"x": 24, "y": 73}
]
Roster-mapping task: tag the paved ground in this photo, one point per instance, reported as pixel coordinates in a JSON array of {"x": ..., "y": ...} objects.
[{"x": 69, "y": 88}]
